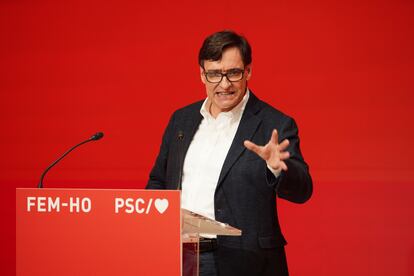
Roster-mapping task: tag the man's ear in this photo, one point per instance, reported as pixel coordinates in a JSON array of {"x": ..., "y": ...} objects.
[
  {"x": 202, "y": 76},
  {"x": 249, "y": 72}
]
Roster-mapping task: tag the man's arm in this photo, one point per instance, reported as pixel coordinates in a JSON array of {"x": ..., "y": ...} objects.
[
  {"x": 157, "y": 178},
  {"x": 289, "y": 173}
]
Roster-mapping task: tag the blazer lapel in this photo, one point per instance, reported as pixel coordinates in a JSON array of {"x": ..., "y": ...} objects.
[
  {"x": 247, "y": 127},
  {"x": 190, "y": 127}
]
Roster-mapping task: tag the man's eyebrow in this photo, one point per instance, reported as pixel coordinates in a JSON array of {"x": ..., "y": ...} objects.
[
  {"x": 229, "y": 70},
  {"x": 214, "y": 71},
  {"x": 234, "y": 69}
]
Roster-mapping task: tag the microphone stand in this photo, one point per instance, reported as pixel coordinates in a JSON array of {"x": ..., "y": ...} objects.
[{"x": 95, "y": 137}]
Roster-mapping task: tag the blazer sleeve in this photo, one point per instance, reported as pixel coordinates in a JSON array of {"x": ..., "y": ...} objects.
[
  {"x": 295, "y": 184},
  {"x": 158, "y": 175}
]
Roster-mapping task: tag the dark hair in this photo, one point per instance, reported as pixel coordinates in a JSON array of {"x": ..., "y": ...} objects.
[{"x": 214, "y": 45}]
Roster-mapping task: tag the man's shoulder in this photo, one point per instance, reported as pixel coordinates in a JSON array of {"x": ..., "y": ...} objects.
[
  {"x": 267, "y": 111},
  {"x": 273, "y": 118}
]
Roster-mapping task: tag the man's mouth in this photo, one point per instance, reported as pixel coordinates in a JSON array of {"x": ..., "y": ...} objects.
[{"x": 225, "y": 93}]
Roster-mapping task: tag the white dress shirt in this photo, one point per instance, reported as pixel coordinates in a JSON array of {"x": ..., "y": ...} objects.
[{"x": 206, "y": 155}]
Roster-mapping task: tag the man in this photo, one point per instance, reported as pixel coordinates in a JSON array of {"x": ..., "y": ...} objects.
[{"x": 232, "y": 154}]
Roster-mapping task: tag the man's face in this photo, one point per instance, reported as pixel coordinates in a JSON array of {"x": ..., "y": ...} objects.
[{"x": 225, "y": 95}]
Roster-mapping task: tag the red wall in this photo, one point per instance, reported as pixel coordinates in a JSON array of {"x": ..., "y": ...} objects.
[{"x": 343, "y": 69}]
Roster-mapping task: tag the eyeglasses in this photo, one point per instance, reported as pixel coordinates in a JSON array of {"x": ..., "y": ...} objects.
[{"x": 232, "y": 75}]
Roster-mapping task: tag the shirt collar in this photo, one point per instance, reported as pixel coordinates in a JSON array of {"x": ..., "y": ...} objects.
[{"x": 234, "y": 114}]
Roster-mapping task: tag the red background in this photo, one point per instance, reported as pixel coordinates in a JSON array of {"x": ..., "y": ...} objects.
[{"x": 342, "y": 69}]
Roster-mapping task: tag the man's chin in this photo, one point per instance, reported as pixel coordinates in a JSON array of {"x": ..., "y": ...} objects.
[{"x": 226, "y": 106}]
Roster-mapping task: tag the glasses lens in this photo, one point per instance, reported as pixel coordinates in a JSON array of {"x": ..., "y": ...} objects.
[
  {"x": 213, "y": 76},
  {"x": 235, "y": 75}
]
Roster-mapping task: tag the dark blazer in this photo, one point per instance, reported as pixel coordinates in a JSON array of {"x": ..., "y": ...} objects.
[{"x": 246, "y": 191}]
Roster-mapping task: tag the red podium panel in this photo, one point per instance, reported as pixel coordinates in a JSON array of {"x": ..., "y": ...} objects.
[{"x": 97, "y": 232}]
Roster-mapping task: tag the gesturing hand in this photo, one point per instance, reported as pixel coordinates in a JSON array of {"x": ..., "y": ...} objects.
[{"x": 273, "y": 153}]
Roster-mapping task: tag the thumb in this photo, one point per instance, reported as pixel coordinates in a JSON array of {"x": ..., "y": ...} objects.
[{"x": 253, "y": 147}]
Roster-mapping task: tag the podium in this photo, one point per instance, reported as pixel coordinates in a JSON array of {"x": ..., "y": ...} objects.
[{"x": 108, "y": 232}]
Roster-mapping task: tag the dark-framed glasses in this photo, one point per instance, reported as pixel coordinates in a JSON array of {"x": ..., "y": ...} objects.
[{"x": 216, "y": 76}]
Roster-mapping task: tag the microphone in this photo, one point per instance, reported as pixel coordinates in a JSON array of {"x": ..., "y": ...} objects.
[
  {"x": 97, "y": 136},
  {"x": 180, "y": 135},
  {"x": 180, "y": 138},
  {"x": 94, "y": 137}
]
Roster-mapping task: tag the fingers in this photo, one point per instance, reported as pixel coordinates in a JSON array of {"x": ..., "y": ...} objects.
[
  {"x": 283, "y": 166},
  {"x": 284, "y": 155},
  {"x": 253, "y": 147},
  {"x": 275, "y": 137},
  {"x": 271, "y": 151},
  {"x": 283, "y": 146}
]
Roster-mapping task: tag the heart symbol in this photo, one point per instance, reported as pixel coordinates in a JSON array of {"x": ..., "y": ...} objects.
[{"x": 161, "y": 205}]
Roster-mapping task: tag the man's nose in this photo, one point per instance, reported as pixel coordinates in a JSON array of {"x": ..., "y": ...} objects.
[{"x": 225, "y": 83}]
